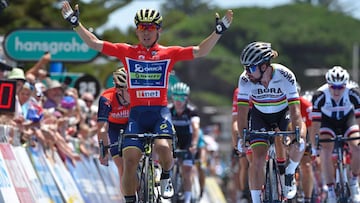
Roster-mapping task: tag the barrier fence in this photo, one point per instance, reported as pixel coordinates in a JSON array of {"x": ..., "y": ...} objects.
[{"x": 30, "y": 175}]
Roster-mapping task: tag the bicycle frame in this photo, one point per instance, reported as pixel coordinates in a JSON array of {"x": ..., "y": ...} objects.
[
  {"x": 273, "y": 191},
  {"x": 146, "y": 191},
  {"x": 343, "y": 191}
]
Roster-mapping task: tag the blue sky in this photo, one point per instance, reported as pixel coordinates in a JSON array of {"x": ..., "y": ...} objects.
[{"x": 123, "y": 18}]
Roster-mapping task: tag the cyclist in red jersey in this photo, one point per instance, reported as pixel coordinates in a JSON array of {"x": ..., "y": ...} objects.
[
  {"x": 113, "y": 114},
  {"x": 307, "y": 178},
  {"x": 148, "y": 66},
  {"x": 241, "y": 174}
]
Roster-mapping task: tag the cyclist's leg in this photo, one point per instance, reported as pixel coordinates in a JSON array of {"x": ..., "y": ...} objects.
[
  {"x": 256, "y": 166},
  {"x": 131, "y": 154},
  {"x": 114, "y": 134},
  {"x": 355, "y": 167},
  {"x": 201, "y": 167},
  {"x": 187, "y": 174},
  {"x": 307, "y": 178},
  {"x": 327, "y": 165},
  {"x": 131, "y": 157},
  {"x": 163, "y": 148}
]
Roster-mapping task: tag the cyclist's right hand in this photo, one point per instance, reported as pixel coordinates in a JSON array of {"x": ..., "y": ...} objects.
[
  {"x": 104, "y": 160},
  {"x": 241, "y": 146},
  {"x": 314, "y": 153}
]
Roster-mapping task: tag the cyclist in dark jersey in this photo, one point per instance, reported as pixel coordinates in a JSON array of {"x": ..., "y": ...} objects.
[
  {"x": 336, "y": 111},
  {"x": 148, "y": 65},
  {"x": 187, "y": 126},
  {"x": 113, "y": 114}
]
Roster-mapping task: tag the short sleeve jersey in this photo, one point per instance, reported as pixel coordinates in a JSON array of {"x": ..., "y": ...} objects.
[
  {"x": 280, "y": 92},
  {"x": 110, "y": 108},
  {"x": 323, "y": 104},
  {"x": 306, "y": 108},
  {"x": 148, "y": 69}
]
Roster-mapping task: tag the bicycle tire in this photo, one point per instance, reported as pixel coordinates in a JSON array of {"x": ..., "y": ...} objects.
[
  {"x": 177, "y": 183},
  {"x": 272, "y": 191},
  {"x": 343, "y": 189}
]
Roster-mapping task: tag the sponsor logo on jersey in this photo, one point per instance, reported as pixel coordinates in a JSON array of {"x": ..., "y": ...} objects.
[
  {"x": 270, "y": 90},
  {"x": 148, "y": 94},
  {"x": 288, "y": 76}
]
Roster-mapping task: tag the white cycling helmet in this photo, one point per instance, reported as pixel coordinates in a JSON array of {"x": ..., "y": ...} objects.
[
  {"x": 120, "y": 77},
  {"x": 256, "y": 53},
  {"x": 337, "y": 76},
  {"x": 180, "y": 88}
]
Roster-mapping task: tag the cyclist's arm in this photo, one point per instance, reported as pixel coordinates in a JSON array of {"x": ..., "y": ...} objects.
[
  {"x": 102, "y": 129},
  {"x": 315, "y": 127},
  {"x": 242, "y": 122},
  {"x": 208, "y": 44},
  {"x": 89, "y": 38},
  {"x": 234, "y": 128},
  {"x": 195, "y": 124},
  {"x": 296, "y": 120}
]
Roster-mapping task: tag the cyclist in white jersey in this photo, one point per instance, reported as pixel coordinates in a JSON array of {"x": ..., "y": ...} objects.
[
  {"x": 271, "y": 88},
  {"x": 336, "y": 111}
]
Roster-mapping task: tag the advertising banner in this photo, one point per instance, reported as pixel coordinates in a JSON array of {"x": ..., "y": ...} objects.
[
  {"x": 47, "y": 181},
  {"x": 7, "y": 189},
  {"x": 19, "y": 180},
  {"x": 38, "y": 193}
]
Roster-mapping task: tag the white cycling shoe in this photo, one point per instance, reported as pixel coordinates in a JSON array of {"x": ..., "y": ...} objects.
[
  {"x": 166, "y": 188},
  {"x": 290, "y": 186},
  {"x": 355, "y": 193}
]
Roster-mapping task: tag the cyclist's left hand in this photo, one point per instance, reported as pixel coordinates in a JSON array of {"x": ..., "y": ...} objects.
[
  {"x": 222, "y": 25},
  {"x": 193, "y": 149}
]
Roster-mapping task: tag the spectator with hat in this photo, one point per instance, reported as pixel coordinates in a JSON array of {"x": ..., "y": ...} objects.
[{"x": 54, "y": 93}]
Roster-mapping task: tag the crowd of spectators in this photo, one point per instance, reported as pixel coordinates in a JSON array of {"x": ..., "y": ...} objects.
[{"x": 48, "y": 113}]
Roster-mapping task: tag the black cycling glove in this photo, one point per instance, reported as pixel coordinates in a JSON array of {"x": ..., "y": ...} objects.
[
  {"x": 221, "y": 25},
  {"x": 72, "y": 16}
]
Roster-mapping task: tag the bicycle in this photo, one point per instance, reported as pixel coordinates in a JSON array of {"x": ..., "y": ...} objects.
[
  {"x": 342, "y": 188},
  {"x": 148, "y": 192},
  {"x": 272, "y": 190},
  {"x": 176, "y": 175}
]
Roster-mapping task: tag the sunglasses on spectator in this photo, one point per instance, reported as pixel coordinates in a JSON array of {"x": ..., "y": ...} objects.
[
  {"x": 251, "y": 69},
  {"x": 147, "y": 26},
  {"x": 337, "y": 87},
  {"x": 180, "y": 98}
]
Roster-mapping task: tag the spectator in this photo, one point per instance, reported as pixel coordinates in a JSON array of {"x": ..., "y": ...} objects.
[{"x": 54, "y": 93}]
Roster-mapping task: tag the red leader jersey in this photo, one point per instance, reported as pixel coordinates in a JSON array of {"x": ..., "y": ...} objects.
[{"x": 148, "y": 69}]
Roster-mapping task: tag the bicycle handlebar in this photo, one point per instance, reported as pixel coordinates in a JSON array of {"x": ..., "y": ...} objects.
[
  {"x": 273, "y": 133},
  {"x": 337, "y": 139},
  {"x": 149, "y": 135}
]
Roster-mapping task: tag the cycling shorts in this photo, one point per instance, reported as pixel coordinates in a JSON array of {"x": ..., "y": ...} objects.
[
  {"x": 114, "y": 133},
  {"x": 344, "y": 126},
  {"x": 263, "y": 122},
  {"x": 147, "y": 119}
]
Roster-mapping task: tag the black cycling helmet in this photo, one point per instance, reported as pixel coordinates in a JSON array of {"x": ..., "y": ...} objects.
[
  {"x": 256, "y": 53},
  {"x": 148, "y": 16}
]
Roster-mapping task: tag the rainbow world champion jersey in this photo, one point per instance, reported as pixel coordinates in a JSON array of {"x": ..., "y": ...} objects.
[{"x": 280, "y": 93}]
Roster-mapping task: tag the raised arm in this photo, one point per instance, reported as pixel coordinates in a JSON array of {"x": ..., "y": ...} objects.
[
  {"x": 73, "y": 17},
  {"x": 207, "y": 44}
]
